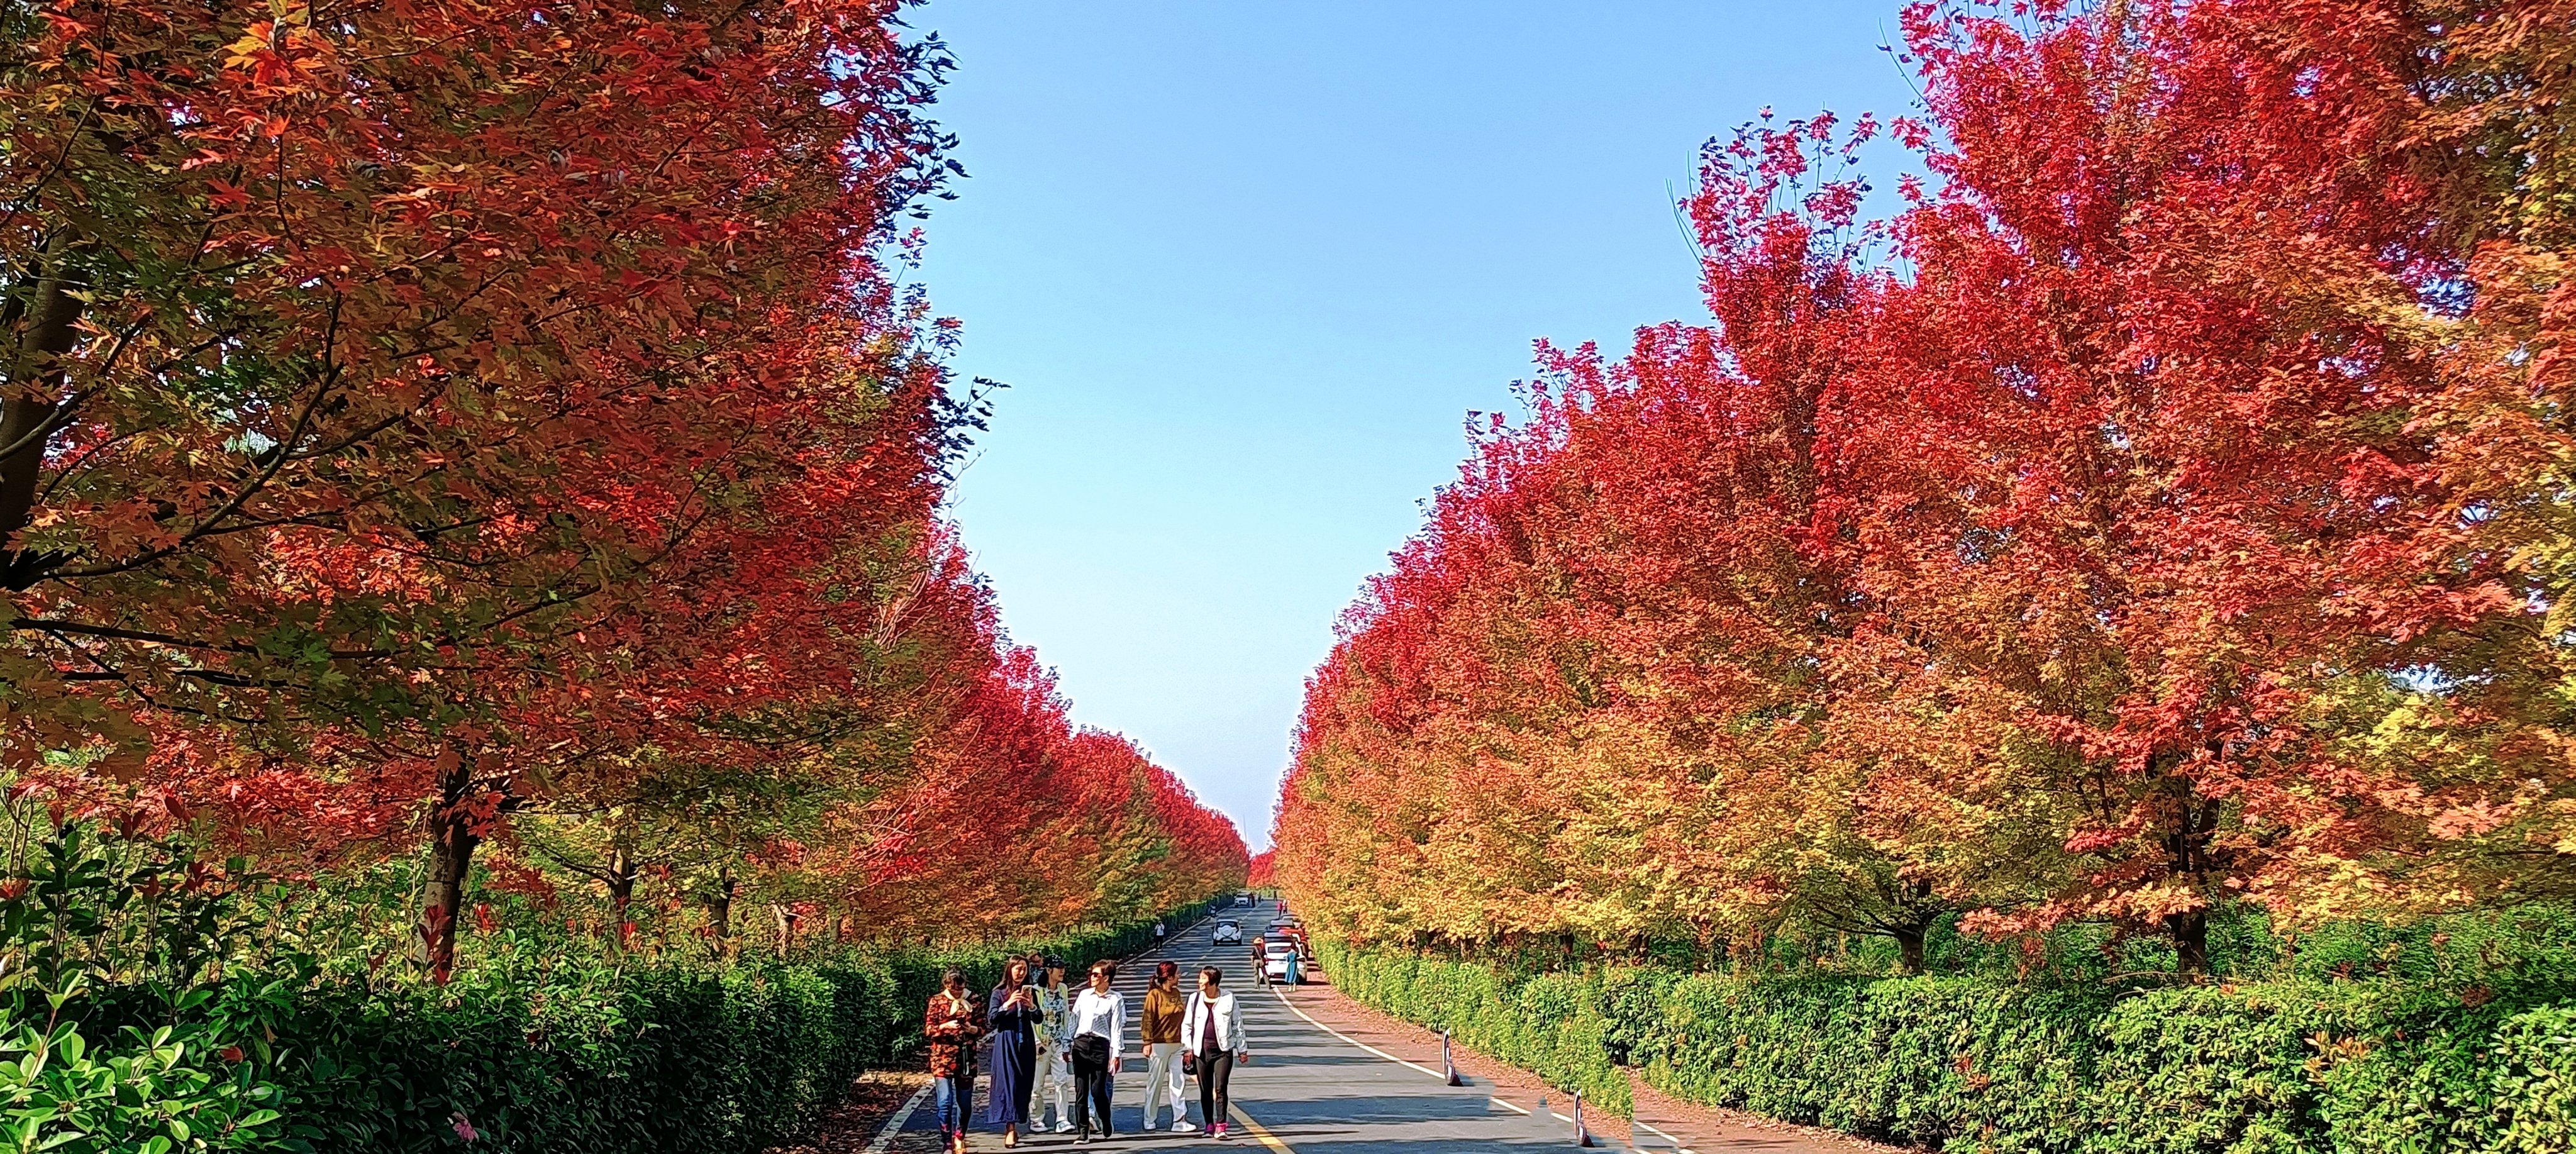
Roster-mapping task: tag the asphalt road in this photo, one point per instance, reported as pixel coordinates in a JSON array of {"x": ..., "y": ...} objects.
[{"x": 1307, "y": 1090}]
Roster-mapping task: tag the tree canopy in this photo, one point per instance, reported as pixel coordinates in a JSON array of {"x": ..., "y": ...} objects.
[{"x": 2160, "y": 513}]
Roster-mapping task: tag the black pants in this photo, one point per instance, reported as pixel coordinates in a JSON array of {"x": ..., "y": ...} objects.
[
  {"x": 1215, "y": 1068},
  {"x": 1090, "y": 1082}
]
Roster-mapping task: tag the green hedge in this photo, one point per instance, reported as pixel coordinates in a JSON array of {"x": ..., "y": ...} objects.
[
  {"x": 1983, "y": 1064},
  {"x": 156, "y": 1005},
  {"x": 676, "y": 1060},
  {"x": 542, "y": 1053},
  {"x": 1554, "y": 1026}
]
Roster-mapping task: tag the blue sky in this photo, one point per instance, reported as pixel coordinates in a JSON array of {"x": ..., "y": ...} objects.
[{"x": 1248, "y": 267}]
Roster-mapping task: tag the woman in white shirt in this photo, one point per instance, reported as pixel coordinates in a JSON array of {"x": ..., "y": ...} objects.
[
  {"x": 1098, "y": 1023},
  {"x": 1212, "y": 1028}
]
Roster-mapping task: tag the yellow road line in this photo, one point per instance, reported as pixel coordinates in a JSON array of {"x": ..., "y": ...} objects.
[{"x": 1258, "y": 1131}]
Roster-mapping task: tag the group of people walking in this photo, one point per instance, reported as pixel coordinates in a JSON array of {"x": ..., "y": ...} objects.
[{"x": 1053, "y": 1048}]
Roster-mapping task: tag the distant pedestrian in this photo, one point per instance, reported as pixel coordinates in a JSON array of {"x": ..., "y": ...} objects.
[
  {"x": 952, "y": 1022},
  {"x": 1053, "y": 1074},
  {"x": 1158, "y": 931},
  {"x": 1016, "y": 1018},
  {"x": 1161, "y": 1027},
  {"x": 1213, "y": 1023},
  {"x": 1099, "y": 1034},
  {"x": 1261, "y": 960}
]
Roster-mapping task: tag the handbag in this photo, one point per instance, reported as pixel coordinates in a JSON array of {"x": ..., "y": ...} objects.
[{"x": 1189, "y": 1057}]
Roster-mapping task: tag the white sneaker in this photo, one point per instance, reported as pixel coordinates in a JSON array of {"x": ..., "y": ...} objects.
[
  {"x": 1149, "y": 1123},
  {"x": 1182, "y": 1126},
  {"x": 1064, "y": 1125}
]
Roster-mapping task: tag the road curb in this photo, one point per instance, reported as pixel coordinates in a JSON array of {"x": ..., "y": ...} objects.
[{"x": 894, "y": 1122}]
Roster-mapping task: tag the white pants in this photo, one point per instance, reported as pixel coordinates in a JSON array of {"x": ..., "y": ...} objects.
[
  {"x": 1163, "y": 1081},
  {"x": 1050, "y": 1079}
]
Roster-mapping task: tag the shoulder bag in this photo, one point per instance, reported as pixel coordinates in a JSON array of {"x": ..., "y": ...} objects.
[{"x": 1190, "y": 1057}]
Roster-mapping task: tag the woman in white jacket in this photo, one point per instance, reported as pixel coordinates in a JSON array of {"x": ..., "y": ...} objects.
[{"x": 1212, "y": 1029}]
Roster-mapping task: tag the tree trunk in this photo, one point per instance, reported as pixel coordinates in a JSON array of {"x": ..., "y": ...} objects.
[
  {"x": 1909, "y": 948},
  {"x": 720, "y": 910},
  {"x": 451, "y": 854},
  {"x": 621, "y": 892},
  {"x": 45, "y": 327},
  {"x": 2190, "y": 932}
]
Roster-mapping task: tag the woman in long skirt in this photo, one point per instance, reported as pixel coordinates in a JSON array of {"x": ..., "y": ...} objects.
[
  {"x": 953, "y": 1022},
  {"x": 1015, "y": 1021}
]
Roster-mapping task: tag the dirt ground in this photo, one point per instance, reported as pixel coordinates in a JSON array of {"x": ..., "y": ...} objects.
[{"x": 850, "y": 1126}]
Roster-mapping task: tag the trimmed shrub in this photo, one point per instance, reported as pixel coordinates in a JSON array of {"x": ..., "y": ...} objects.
[
  {"x": 532, "y": 1050},
  {"x": 1984, "y": 1064},
  {"x": 1555, "y": 1026},
  {"x": 665, "y": 1059},
  {"x": 162, "y": 1004}
]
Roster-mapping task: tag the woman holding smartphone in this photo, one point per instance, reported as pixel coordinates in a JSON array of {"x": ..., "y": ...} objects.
[
  {"x": 952, "y": 1022},
  {"x": 1016, "y": 1019}
]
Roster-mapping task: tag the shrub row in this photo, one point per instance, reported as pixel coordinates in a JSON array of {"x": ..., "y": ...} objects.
[
  {"x": 535, "y": 1053},
  {"x": 1553, "y": 1025},
  {"x": 1984, "y": 1064}
]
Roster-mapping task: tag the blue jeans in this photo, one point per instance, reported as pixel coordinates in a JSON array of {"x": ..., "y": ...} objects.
[{"x": 953, "y": 1099}]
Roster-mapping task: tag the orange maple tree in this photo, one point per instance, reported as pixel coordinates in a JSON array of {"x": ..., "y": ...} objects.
[
  {"x": 481, "y": 418},
  {"x": 2156, "y": 515}
]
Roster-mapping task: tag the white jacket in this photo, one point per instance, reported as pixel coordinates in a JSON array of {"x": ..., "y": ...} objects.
[
  {"x": 1229, "y": 1023},
  {"x": 1102, "y": 1014}
]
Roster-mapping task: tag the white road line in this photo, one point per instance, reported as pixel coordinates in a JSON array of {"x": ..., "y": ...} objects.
[
  {"x": 894, "y": 1125},
  {"x": 1502, "y": 1102},
  {"x": 1658, "y": 1132},
  {"x": 1310, "y": 1020}
]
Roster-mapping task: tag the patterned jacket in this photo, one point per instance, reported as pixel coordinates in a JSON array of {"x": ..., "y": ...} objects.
[
  {"x": 952, "y": 1033},
  {"x": 1058, "y": 1008}
]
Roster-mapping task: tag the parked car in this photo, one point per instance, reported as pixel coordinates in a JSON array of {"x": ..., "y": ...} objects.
[
  {"x": 1227, "y": 932},
  {"x": 1243, "y": 899},
  {"x": 1274, "y": 960}
]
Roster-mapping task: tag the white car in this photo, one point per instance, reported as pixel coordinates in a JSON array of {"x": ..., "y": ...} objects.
[
  {"x": 1243, "y": 899},
  {"x": 1274, "y": 960},
  {"x": 1226, "y": 932}
]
